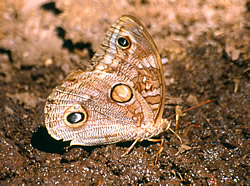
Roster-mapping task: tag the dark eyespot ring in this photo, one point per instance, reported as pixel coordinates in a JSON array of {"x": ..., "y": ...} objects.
[
  {"x": 121, "y": 93},
  {"x": 75, "y": 117},
  {"x": 123, "y": 42}
]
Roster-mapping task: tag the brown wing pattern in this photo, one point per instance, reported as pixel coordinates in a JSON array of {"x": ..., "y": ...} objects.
[
  {"x": 118, "y": 99},
  {"x": 140, "y": 63}
]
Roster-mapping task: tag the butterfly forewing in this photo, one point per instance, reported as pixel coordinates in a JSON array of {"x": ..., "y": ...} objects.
[{"x": 140, "y": 63}]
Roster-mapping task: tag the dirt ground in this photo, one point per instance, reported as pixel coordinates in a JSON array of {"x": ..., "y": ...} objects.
[{"x": 204, "y": 45}]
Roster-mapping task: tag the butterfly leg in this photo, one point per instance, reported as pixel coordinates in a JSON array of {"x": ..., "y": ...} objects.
[
  {"x": 160, "y": 149},
  {"x": 165, "y": 123},
  {"x": 162, "y": 141},
  {"x": 130, "y": 148},
  {"x": 179, "y": 138}
]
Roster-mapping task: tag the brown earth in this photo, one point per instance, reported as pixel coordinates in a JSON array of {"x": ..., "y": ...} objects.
[{"x": 206, "y": 54}]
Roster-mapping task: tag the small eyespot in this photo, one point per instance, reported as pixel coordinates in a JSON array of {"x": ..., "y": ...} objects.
[
  {"x": 124, "y": 42},
  {"x": 121, "y": 93},
  {"x": 75, "y": 116}
]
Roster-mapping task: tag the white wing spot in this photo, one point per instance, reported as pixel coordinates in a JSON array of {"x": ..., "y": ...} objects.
[{"x": 151, "y": 60}]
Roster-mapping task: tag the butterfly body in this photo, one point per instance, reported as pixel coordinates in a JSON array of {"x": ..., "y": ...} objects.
[{"x": 119, "y": 98}]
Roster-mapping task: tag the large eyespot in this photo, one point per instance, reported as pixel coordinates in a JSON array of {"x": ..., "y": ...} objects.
[
  {"x": 121, "y": 93},
  {"x": 75, "y": 116},
  {"x": 124, "y": 42}
]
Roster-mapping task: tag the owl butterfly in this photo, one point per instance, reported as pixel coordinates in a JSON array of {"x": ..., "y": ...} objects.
[{"x": 119, "y": 98}]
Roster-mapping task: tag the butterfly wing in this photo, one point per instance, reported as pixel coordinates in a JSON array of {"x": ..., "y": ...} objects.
[
  {"x": 139, "y": 62},
  {"x": 81, "y": 110},
  {"x": 118, "y": 99}
]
